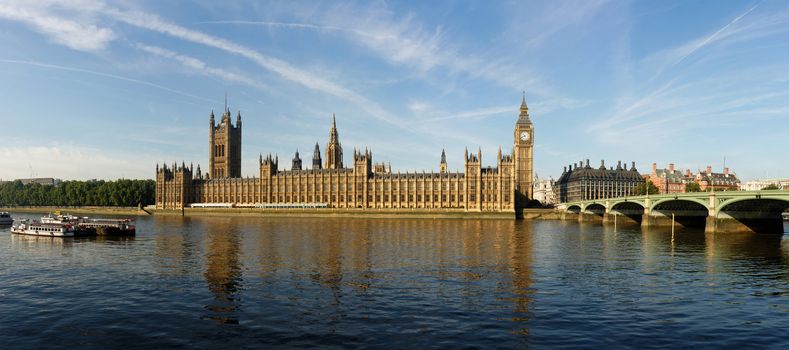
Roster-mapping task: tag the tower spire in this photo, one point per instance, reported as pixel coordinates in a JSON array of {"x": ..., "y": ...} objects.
[
  {"x": 226, "y": 101},
  {"x": 523, "y": 118}
]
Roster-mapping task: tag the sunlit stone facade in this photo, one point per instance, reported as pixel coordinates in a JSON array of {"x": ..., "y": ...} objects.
[{"x": 364, "y": 185}]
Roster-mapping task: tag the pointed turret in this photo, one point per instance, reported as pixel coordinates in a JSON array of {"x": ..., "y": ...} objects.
[
  {"x": 443, "y": 165},
  {"x": 316, "y": 158},
  {"x": 296, "y": 162},
  {"x": 238, "y": 119},
  {"x": 334, "y": 149},
  {"x": 523, "y": 118}
]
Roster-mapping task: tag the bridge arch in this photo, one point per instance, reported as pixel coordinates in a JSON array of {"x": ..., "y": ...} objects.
[
  {"x": 632, "y": 210},
  {"x": 757, "y": 203},
  {"x": 655, "y": 204},
  {"x": 752, "y": 214},
  {"x": 595, "y": 208},
  {"x": 688, "y": 212},
  {"x": 574, "y": 208}
]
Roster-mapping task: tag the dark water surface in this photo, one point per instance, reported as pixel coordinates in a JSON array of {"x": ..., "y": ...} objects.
[{"x": 339, "y": 283}]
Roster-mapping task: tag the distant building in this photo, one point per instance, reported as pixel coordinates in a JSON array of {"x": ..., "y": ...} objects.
[
  {"x": 756, "y": 185},
  {"x": 724, "y": 181},
  {"x": 668, "y": 180},
  {"x": 41, "y": 181},
  {"x": 582, "y": 182},
  {"x": 543, "y": 190}
]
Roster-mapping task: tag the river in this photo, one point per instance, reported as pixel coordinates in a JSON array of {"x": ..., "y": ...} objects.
[{"x": 210, "y": 282}]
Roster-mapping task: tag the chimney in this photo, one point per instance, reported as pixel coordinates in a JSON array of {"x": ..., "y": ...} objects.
[
  {"x": 654, "y": 168},
  {"x": 671, "y": 168},
  {"x": 587, "y": 163},
  {"x": 687, "y": 173},
  {"x": 726, "y": 172},
  {"x": 709, "y": 169},
  {"x": 619, "y": 165}
]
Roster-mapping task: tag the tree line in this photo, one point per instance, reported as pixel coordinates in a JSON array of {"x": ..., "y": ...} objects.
[{"x": 120, "y": 193}]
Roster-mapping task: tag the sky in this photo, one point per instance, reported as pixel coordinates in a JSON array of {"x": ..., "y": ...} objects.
[{"x": 95, "y": 89}]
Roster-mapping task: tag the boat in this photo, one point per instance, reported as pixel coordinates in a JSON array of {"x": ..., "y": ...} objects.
[
  {"x": 106, "y": 227},
  {"x": 786, "y": 216},
  {"x": 61, "y": 219},
  {"x": 5, "y": 219},
  {"x": 37, "y": 228},
  {"x": 85, "y": 226}
]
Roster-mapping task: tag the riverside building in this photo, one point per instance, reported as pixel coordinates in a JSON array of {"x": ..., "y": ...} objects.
[
  {"x": 329, "y": 183},
  {"x": 582, "y": 182}
]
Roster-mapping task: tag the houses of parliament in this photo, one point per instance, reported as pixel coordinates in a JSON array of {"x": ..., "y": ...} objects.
[{"x": 330, "y": 183}]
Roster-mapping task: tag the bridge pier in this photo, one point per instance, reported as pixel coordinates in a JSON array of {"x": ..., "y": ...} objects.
[
  {"x": 590, "y": 217},
  {"x": 725, "y": 223},
  {"x": 570, "y": 216}
]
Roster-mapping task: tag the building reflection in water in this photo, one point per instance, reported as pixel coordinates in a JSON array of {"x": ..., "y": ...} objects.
[{"x": 223, "y": 269}]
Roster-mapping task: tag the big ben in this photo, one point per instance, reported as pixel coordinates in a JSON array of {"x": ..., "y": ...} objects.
[{"x": 524, "y": 150}]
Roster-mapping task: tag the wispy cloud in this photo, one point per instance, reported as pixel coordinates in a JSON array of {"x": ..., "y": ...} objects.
[
  {"x": 480, "y": 113},
  {"x": 680, "y": 90},
  {"x": 675, "y": 56},
  {"x": 199, "y": 66},
  {"x": 105, "y": 75},
  {"x": 67, "y": 32},
  {"x": 282, "y": 68}
]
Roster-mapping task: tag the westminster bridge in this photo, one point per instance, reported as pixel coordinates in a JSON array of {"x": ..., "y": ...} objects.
[{"x": 727, "y": 211}]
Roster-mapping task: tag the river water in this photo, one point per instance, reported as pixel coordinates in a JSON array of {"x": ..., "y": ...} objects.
[{"x": 206, "y": 282}]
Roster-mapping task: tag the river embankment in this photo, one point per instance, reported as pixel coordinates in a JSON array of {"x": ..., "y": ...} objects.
[
  {"x": 529, "y": 214},
  {"x": 133, "y": 211}
]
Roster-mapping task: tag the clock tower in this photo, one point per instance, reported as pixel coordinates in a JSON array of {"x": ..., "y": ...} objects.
[{"x": 524, "y": 150}]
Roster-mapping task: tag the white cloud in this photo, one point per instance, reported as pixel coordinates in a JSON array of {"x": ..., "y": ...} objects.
[
  {"x": 418, "y": 106},
  {"x": 71, "y": 162},
  {"x": 68, "y": 32}
]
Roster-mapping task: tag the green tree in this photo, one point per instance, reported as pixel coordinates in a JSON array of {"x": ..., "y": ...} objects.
[
  {"x": 771, "y": 187},
  {"x": 127, "y": 193},
  {"x": 646, "y": 188},
  {"x": 692, "y": 187}
]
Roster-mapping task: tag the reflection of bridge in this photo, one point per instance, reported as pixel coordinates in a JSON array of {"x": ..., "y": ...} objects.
[{"x": 728, "y": 211}]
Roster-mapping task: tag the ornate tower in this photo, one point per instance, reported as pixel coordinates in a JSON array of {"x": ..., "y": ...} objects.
[
  {"x": 296, "y": 162},
  {"x": 333, "y": 149},
  {"x": 524, "y": 150},
  {"x": 443, "y": 165},
  {"x": 316, "y": 158},
  {"x": 224, "y": 146}
]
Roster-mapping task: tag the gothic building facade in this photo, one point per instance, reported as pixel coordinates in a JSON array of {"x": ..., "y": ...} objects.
[{"x": 503, "y": 188}]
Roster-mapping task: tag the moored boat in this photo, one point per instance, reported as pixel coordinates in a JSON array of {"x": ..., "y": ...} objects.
[
  {"x": 36, "y": 228},
  {"x": 786, "y": 216},
  {"x": 6, "y": 219},
  {"x": 85, "y": 226},
  {"x": 107, "y": 227}
]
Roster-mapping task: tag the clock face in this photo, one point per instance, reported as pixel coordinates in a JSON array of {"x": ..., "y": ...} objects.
[{"x": 524, "y": 136}]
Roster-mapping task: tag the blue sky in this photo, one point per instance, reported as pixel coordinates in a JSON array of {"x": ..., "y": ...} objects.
[{"x": 105, "y": 89}]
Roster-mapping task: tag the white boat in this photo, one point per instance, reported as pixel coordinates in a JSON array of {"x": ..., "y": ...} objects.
[
  {"x": 5, "y": 218},
  {"x": 61, "y": 219},
  {"x": 786, "y": 216},
  {"x": 34, "y": 228}
]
